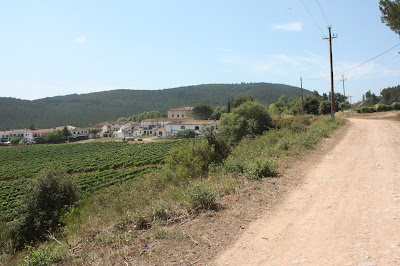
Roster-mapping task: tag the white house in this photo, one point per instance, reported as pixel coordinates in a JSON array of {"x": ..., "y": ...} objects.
[
  {"x": 33, "y": 135},
  {"x": 127, "y": 130},
  {"x": 197, "y": 125},
  {"x": 80, "y": 131},
  {"x": 108, "y": 128},
  {"x": 4, "y": 136}
]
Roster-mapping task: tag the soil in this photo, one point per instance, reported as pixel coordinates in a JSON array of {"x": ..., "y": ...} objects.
[{"x": 345, "y": 211}]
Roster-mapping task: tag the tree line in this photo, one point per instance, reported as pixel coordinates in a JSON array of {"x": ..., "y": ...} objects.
[{"x": 82, "y": 110}]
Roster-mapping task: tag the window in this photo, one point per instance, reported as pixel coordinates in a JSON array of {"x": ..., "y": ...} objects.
[
  {"x": 172, "y": 115},
  {"x": 177, "y": 115},
  {"x": 183, "y": 115},
  {"x": 196, "y": 128},
  {"x": 182, "y": 127}
]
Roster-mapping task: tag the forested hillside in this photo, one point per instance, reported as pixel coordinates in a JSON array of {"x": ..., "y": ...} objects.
[{"x": 84, "y": 109}]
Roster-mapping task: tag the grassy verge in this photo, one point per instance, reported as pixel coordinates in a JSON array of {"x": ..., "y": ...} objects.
[{"x": 124, "y": 220}]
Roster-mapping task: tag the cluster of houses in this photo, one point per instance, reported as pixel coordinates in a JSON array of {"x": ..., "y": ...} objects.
[{"x": 178, "y": 119}]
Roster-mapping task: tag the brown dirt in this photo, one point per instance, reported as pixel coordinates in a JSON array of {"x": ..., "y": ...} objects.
[{"x": 345, "y": 211}]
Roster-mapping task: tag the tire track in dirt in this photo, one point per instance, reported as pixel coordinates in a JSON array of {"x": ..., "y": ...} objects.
[{"x": 346, "y": 212}]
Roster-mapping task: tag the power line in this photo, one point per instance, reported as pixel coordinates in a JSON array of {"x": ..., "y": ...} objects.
[
  {"x": 357, "y": 65},
  {"x": 312, "y": 17},
  {"x": 322, "y": 11},
  {"x": 369, "y": 60}
]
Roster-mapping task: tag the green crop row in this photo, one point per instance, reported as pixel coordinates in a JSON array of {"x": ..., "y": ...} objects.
[
  {"x": 26, "y": 161},
  {"x": 10, "y": 191}
]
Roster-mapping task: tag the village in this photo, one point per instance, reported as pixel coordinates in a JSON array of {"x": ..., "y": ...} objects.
[{"x": 178, "y": 119}]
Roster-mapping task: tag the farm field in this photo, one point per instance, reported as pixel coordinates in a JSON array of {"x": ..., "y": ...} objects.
[
  {"x": 94, "y": 165},
  {"x": 26, "y": 161}
]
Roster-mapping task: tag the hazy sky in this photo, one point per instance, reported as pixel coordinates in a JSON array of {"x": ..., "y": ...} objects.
[{"x": 50, "y": 48}]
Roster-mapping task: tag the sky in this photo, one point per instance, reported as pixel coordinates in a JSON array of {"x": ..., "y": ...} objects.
[{"x": 50, "y": 48}]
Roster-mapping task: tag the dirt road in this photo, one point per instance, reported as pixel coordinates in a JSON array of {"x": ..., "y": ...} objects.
[{"x": 347, "y": 211}]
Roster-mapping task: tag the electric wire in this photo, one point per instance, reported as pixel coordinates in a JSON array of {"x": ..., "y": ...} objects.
[
  {"x": 312, "y": 17},
  {"x": 356, "y": 65},
  {"x": 322, "y": 11}
]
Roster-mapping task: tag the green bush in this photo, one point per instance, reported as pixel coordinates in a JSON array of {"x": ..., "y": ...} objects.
[
  {"x": 260, "y": 168},
  {"x": 44, "y": 255},
  {"x": 221, "y": 148},
  {"x": 324, "y": 107},
  {"x": 4, "y": 236},
  {"x": 200, "y": 196},
  {"x": 366, "y": 109},
  {"x": 44, "y": 200},
  {"x": 396, "y": 106},
  {"x": 186, "y": 134},
  {"x": 191, "y": 160},
  {"x": 282, "y": 122},
  {"x": 383, "y": 107},
  {"x": 15, "y": 140},
  {"x": 300, "y": 123},
  {"x": 249, "y": 119}
]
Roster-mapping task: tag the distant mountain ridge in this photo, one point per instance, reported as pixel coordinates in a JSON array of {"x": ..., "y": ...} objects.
[{"x": 91, "y": 108}]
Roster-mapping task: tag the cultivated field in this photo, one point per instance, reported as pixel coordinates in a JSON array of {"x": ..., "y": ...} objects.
[{"x": 93, "y": 165}]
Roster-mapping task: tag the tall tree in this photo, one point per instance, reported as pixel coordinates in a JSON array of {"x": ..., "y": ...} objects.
[
  {"x": 66, "y": 132},
  {"x": 391, "y": 14},
  {"x": 249, "y": 119},
  {"x": 235, "y": 102},
  {"x": 202, "y": 111},
  {"x": 218, "y": 111}
]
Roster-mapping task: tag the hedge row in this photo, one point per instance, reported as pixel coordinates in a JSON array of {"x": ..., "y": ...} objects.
[{"x": 379, "y": 108}]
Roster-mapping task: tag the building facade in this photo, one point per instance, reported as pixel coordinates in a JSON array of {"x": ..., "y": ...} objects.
[{"x": 181, "y": 112}]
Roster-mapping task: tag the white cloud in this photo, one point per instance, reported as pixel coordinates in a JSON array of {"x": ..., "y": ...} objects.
[
  {"x": 295, "y": 26},
  {"x": 81, "y": 39}
]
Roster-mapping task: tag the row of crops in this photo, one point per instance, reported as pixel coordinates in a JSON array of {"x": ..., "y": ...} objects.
[
  {"x": 93, "y": 165},
  {"x": 26, "y": 161},
  {"x": 10, "y": 191}
]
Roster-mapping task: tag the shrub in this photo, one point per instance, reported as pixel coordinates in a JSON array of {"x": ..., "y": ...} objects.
[
  {"x": 259, "y": 168},
  {"x": 344, "y": 106},
  {"x": 192, "y": 160},
  {"x": 44, "y": 255},
  {"x": 221, "y": 148},
  {"x": 282, "y": 122},
  {"x": 44, "y": 200},
  {"x": 396, "y": 106},
  {"x": 249, "y": 119},
  {"x": 15, "y": 140},
  {"x": 366, "y": 109},
  {"x": 383, "y": 107},
  {"x": 200, "y": 196},
  {"x": 300, "y": 123},
  {"x": 4, "y": 236},
  {"x": 186, "y": 134},
  {"x": 324, "y": 107}
]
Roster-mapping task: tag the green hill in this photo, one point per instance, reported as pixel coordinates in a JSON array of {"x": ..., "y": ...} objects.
[{"x": 91, "y": 108}]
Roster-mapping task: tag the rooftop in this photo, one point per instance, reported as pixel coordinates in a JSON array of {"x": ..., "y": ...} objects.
[{"x": 185, "y": 108}]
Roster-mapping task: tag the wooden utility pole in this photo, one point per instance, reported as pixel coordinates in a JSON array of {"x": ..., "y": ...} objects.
[
  {"x": 330, "y": 53},
  {"x": 344, "y": 93},
  {"x": 350, "y": 100},
  {"x": 302, "y": 99}
]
